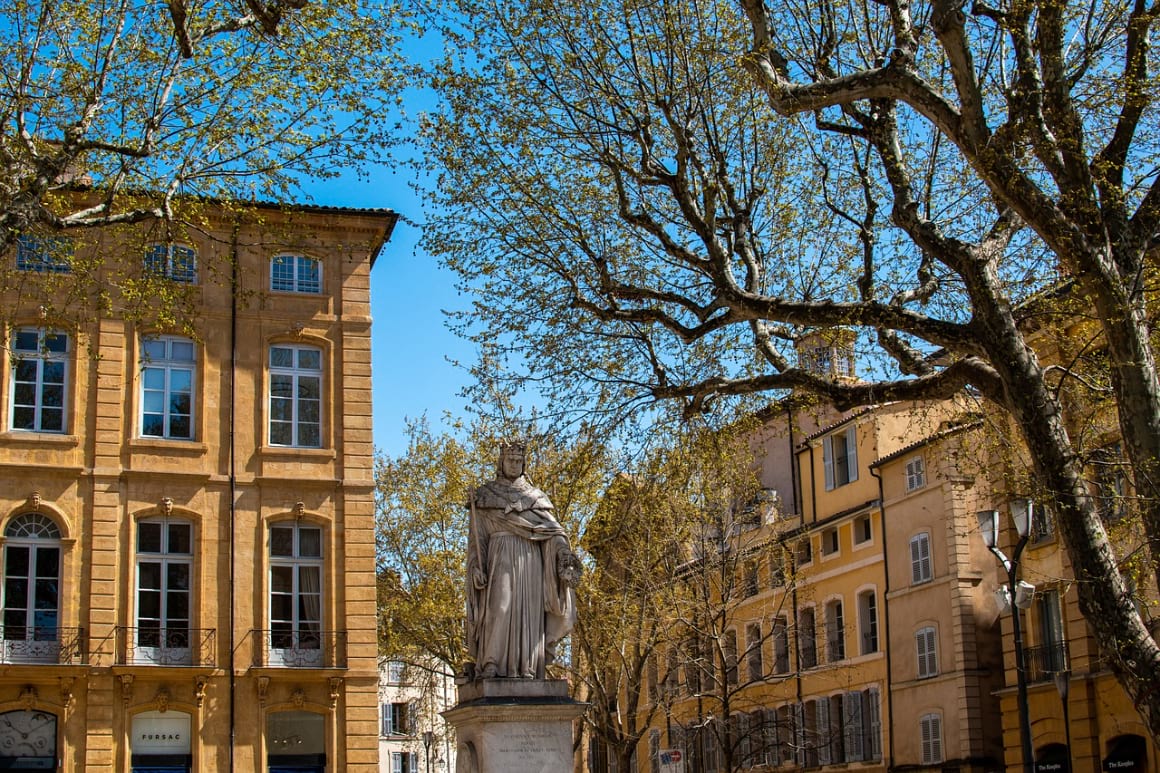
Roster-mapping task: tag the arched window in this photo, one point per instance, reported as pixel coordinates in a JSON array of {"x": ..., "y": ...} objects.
[
  {"x": 27, "y": 740},
  {"x": 32, "y": 589}
]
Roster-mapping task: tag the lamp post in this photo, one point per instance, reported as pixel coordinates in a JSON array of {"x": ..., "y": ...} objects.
[
  {"x": 1015, "y": 595},
  {"x": 428, "y": 737},
  {"x": 1063, "y": 684}
]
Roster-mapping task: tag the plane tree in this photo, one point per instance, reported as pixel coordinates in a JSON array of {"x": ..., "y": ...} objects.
[{"x": 662, "y": 200}]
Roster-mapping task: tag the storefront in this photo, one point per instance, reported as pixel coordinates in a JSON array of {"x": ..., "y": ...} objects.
[
  {"x": 27, "y": 740},
  {"x": 297, "y": 742},
  {"x": 161, "y": 742}
]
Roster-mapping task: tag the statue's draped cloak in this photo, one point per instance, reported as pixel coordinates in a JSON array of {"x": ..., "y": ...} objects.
[{"x": 524, "y": 608}]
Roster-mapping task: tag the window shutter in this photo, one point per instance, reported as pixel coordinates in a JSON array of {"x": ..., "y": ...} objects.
[
  {"x": 799, "y": 733},
  {"x": 771, "y": 738},
  {"x": 823, "y": 731},
  {"x": 920, "y": 558},
  {"x": 852, "y": 452},
  {"x": 852, "y": 726},
  {"x": 828, "y": 460},
  {"x": 872, "y": 716}
]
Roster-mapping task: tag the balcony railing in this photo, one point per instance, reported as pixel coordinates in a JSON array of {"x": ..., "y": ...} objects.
[
  {"x": 1045, "y": 661},
  {"x": 42, "y": 645},
  {"x": 148, "y": 646},
  {"x": 281, "y": 648}
]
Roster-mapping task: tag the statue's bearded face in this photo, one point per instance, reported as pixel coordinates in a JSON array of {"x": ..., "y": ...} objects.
[{"x": 512, "y": 463}]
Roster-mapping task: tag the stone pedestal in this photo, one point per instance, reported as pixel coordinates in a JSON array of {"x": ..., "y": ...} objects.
[{"x": 514, "y": 726}]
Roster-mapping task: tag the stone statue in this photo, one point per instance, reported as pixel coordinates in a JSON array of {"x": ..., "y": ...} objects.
[{"x": 520, "y": 575}]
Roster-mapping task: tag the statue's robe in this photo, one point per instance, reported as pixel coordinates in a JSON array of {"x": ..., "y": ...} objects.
[{"x": 524, "y": 608}]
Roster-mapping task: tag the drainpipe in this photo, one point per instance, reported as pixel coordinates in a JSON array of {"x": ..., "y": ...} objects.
[
  {"x": 231, "y": 409},
  {"x": 888, "y": 694}
]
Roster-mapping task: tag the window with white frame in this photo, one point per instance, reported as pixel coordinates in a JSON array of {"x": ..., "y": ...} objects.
[
  {"x": 926, "y": 645},
  {"x": 780, "y": 636},
  {"x": 840, "y": 457},
  {"x": 295, "y": 396},
  {"x": 830, "y": 541},
  {"x": 868, "y": 621},
  {"x": 296, "y": 592},
  {"x": 395, "y": 670},
  {"x": 835, "y": 631},
  {"x": 164, "y": 585},
  {"x": 39, "y": 380},
  {"x": 44, "y": 254},
  {"x": 807, "y": 638},
  {"x": 753, "y": 646},
  {"x": 296, "y": 274},
  {"x": 167, "y": 367},
  {"x": 32, "y": 554},
  {"x": 915, "y": 473},
  {"x": 930, "y": 731},
  {"x": 920, "y": 570},
  {"x": 172, "y": 261}
]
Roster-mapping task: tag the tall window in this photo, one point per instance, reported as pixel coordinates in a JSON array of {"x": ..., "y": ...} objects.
[
  {"x": 807, "y": 638},
  {"x": 296, "y": 593},
  {"x": 39, "y": 376},
  {"x": 840, "y": 455},
  {"x": 1042, "y": 523},
  {"x": 44, "y": 254},
  {"x": 920, "y": 558},
  {"x": 926, "y": 644},
  {"x": 915, "y": 474},
  {"x": 835, "y": 632},
  {"x": 295, "y": 396},
  {"x": 930, "y": 731},
  {"x": 32, "y": 588},
  {"x": 863, "y": 532},
  {"x": 167, "y": 364},
  {"x": 731, "y": 674},
  {"x": 751, "y": 581},
  {"x": 1111, "y": 482},
  {"x": 868, "y": 621},
  {"x": 296, "y": 274},
  {"x": 404, "y": 762},
  {"x": 830, "y": 541},
  {"x": 172, "y": 261},
  {"x": 164, "y": 584},
  {"x": 1051, "y": 639},
  {"x": 780, "y": 645},
  {"x": 753, "y": 646}
]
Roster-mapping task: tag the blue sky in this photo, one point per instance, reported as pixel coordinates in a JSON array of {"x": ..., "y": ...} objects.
[{"x": 411, "y": 344}]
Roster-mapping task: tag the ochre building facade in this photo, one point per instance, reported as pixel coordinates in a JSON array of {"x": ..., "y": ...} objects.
[{"x": 186, "y": 518}]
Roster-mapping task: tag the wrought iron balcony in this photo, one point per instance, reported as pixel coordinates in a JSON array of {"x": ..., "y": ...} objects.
[
  {"x": 1045, "y": 661},
  {"x": 151, "y": 646},
  {"x": 303, "y": 648},
  {"x": 42, "y": 645}
]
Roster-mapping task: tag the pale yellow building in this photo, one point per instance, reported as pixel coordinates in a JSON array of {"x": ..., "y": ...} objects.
[{"x": 187, "y": 518}]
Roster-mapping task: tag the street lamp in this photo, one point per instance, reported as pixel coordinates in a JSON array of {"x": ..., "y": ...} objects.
[
  {"x": 1015, "y": 595},
  {"x": 428, "y": 737},
  {"x": 1063, "y": 683}
]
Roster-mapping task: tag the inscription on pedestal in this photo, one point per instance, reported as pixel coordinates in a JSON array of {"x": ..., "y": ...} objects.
[{"x": 529, "y": 749}]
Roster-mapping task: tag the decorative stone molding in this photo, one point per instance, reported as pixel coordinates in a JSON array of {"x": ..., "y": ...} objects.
[
  {"x": 263, "y": 690},
  {"x": 165, "y": 506},
  {"x": 126, "y": 688},
  {"x": 199, "y": 685},
  {"x": 162, "y": 699},
  {"x": 28, "y": 697},
  {"x": 299, "y": 697},
  {"x": 335, "y": 691},
  {"x": 66, "y": 691},
  {"x": 296, "y": 329},
  {"x": 299, "y": 509},
  {"x": 34, "y": 501}
]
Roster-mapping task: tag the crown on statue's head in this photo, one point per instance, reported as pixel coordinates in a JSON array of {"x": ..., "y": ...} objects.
[{"x": 518, "y": 445}]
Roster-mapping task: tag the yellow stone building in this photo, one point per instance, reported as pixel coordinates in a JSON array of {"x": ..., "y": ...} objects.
[
  {"x": 865, "y": 632},
  {"x": 186, "y": 521}
]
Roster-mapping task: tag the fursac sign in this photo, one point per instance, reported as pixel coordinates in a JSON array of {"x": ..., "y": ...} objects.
[{"x": 161, "y": 733}]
